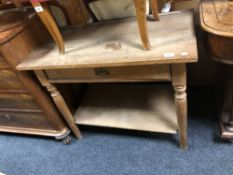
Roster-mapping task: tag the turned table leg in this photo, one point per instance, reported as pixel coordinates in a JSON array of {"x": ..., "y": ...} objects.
[
  {"x": 46, "y": 17},
  {"x": 140, "y": 6},
  {"x": 181, "y": 112},
  {"x": 60, "y": 103},
  {"x": 179, "y": 84}
]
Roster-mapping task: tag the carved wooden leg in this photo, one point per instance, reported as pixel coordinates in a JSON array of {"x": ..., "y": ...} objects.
[
  {"x": 181, "y": 112},
  {"x": 154, "y": 8},
  {"x": 46, "y": 17},
  {"x": 60, "y": 103},
  {"x": 179, "y": 84},
  {"x": 140, "y": 6}
]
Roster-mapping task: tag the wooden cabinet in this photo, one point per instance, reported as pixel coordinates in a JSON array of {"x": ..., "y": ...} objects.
[{"x": 24, "y": 107}]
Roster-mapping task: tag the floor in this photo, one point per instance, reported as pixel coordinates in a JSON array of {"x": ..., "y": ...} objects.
[{"x": 107, "y": 151}]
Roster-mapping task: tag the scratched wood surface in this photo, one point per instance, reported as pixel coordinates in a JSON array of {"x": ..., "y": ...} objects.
[{"x": 117, "y": 43}]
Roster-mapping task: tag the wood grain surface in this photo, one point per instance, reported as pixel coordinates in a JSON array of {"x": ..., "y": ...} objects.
[
  {"x": 136, "y": 107},
  {"x": 216, "y": 17},
  {"x": 111, "y": 74},
  {"x": 117, "y": 44}
]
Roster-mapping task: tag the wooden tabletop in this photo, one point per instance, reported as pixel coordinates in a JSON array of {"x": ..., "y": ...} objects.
[
  {"x": 117, "y": 43},
  {"x": 217, "y": 17}
]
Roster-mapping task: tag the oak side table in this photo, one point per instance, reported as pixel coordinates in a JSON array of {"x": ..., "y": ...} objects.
[{"x": 106, "y": 53}]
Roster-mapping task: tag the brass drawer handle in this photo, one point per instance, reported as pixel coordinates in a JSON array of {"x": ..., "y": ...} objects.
[{"x": 101, "y": 72}]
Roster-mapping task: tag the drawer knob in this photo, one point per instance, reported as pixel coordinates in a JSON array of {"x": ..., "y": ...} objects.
[{"x": 102, "y": 72}]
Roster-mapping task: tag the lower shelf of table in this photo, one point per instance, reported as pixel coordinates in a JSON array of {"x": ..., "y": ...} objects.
[{"x": 144, "y": 107}]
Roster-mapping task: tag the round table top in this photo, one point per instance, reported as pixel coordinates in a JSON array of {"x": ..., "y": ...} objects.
[{"x": 217, "y": 17}]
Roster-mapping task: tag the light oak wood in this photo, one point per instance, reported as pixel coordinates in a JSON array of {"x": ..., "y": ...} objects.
[
  {"x": 140, "y": 6},
  {"x": 143, "y": 107},
  {"x": 108, "y": 55},
  {"x": 114, "y": 47},
  {"x": 178, "y": 72},
  {"x": 155, "y": 9},
  {"x": 60, "y": 102},
  {"x": 111, "y": 74}
]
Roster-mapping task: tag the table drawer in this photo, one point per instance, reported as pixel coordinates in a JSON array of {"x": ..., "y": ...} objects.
[
  {"x": 17, "y": 101},
  {"x": 3, "y": 64},
  {"x": 111, "y": 74},
  {"x": 23, "y": 120},
  {"x": 9, "y": 81}
]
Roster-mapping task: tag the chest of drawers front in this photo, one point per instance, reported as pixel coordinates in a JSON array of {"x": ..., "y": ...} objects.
[{"x": 24, "y": 107}]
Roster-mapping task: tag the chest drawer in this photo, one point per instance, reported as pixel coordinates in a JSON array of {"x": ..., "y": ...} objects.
[
  {"x": 17, "y": 101},
  {"x": 24, "y": 120},
  {"x": 3, "y": 64},
  {"x": 111, "y": 74},
  {"x": 9, "y": 81}
]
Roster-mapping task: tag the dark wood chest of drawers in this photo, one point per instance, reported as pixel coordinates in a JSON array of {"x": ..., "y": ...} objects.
[{"x": 24, "y": 106}]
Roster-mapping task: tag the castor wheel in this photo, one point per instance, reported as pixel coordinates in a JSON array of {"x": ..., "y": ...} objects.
[{"x": 67, "y": 140}]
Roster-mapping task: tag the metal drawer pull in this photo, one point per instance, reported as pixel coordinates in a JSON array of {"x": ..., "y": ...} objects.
[{"x": 102, "y": 72}]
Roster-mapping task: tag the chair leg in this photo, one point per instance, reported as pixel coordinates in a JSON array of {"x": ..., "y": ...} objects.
[
  {"x": 140, "y": 6},
  {"x": 154, "y": 7},
  {"x": 46, "y": 17}
]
